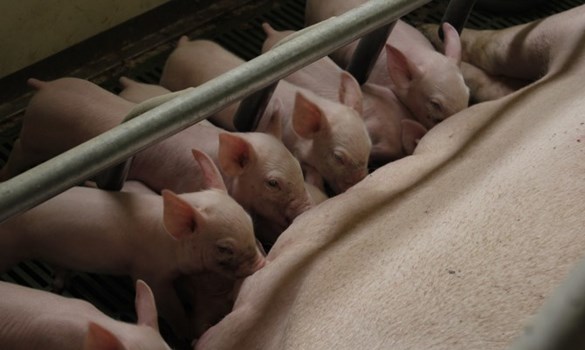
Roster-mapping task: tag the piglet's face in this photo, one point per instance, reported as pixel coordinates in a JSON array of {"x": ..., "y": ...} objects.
[
  {"x": 229, "y": 245},
  {"x": 269, "y": 181},
  {"x": 341, "y": 154},
  {"x": 237, "y": 259},
  {"x": 435, "y": 96}
]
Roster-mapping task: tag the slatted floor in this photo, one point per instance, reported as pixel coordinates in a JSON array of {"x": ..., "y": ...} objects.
[{"x": 244, "y": 36}]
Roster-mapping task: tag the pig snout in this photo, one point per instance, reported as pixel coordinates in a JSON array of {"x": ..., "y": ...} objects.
[
  {"x": 297, "y": 207},
  {"x": 252, "y": 265},
  {"x": 348, "y": 181}
]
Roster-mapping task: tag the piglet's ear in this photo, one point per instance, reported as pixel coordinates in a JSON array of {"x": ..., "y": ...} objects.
[
  {"x": 99, "y": 338},
  {"x": 179, "y": 217},
  {"x": 274, "y": 126},
  {"x": 145, "y": 306},
  {"x": 308, "y": 119},
  {"x": 235, "y": 154},
  {"x": 412, "y": 132},
  {"x": 400, "y": 68},
  {"x": 350, "y": 93},
  {"x": 211, "y": 174},
  {"x": 452, "y": 42}
]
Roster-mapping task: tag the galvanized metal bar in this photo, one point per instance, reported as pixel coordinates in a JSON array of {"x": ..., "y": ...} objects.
[
  {"x": 114, "y": 146},
  {"x": 252, "y": 108},
  {"x": 456, "y": 14},
  {"x": 560, "y": 323},
  {"x": 367, "y": 51}
]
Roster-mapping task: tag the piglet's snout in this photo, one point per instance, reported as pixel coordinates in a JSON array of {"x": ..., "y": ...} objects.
[{"x": 297, "y": 207}]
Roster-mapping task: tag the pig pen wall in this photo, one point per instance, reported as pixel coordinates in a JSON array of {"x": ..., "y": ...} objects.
[{"x": 138, "y": 49}]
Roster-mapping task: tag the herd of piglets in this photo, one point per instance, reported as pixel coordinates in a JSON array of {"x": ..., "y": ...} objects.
[{"x": 199, "y": 207}]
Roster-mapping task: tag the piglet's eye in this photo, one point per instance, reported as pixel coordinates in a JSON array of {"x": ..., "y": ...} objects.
[
  {"x": 435, "y": 105},
  {"x": 272, "y": 183},
  {"x": 225, "y": 250},
  {"x": 339, "y": 158}
]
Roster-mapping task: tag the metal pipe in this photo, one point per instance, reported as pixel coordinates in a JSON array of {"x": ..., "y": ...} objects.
[
  {"x": 560, "y": 323},
  {"x": 252, "y": 108},
  {"x": 456, "y": 14},
  {"x": 114, "y": 146},
  {"x": 367, "y": 51}
]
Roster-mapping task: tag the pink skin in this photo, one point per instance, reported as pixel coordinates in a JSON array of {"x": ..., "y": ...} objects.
[
  {"x": 137, "y": 92},
  {"x": 483, "y": 84},
  {"x": 68, "y": 111},
  {"x": 383, "y": 113},
  {"x": 471, "y": 235},
  {"x": 69, "y": 107},
  {"x": 429, "y": 83},
  {"x": 326, "y": 136},
  {"x": 191, "y": 64},
  {"x": 317, "y": 195},
  {"x": 145, "y": 236},
  {"x": 35, "y": 319}
]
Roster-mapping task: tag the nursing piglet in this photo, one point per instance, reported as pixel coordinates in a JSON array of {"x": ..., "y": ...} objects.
[
  {"x": 327, "y": 137},
  {"x": 429, "y": 83},
  {"x": 35, "y": 319},
  {"x": 485, "y": 83},
  {"x": 393, "y": 131},
  {"x": 148, "y": 237}
]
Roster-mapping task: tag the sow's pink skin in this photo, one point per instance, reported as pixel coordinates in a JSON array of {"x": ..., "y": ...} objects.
[
  {"x": 35, "y": 319},
  {"x": 429, "y": 83},
  {"x": 147, "y": 236},
  {"x": 393, "y": 131},
  {"x": 327, "y": 137}
]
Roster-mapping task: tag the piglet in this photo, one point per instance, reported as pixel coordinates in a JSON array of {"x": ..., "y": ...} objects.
[
  {"x": 189, "y": 65},
  {"x": 35, "y": 319},
  {"x": 260, "y": 173},
  {"x": 393, "y": 131},
  {"x": 71, "y": 107},
  {"x": 326, "y": 136},
  {"x": 144, "y": 236},
  {"x": 429, "y": 83},
  {"x": 483, "y": 84}
]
